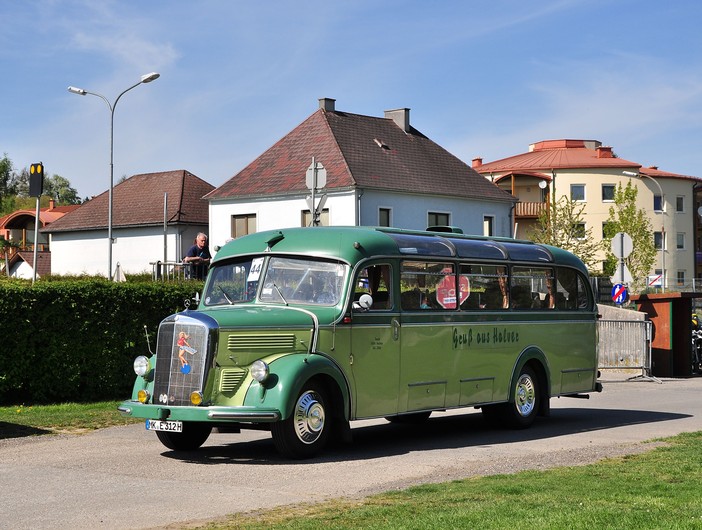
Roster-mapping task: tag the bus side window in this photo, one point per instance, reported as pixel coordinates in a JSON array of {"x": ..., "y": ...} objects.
[
  {"x": 376, "y": 281},
  {"x": 487, "y": 287}
]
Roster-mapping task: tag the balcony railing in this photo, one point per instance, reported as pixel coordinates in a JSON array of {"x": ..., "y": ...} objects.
[{"x": 529, "y": 209}]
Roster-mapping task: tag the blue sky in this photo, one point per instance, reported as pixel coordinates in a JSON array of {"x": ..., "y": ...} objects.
[{"x": 482, "y": 78}]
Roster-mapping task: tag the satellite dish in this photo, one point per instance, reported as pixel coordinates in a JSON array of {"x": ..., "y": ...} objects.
[{"x": 543, "y": 184}]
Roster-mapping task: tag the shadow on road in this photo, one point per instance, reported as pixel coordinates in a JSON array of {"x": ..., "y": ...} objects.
[
  {"x": 439, "y": 432},
  {"x": 14, "y": 430}
]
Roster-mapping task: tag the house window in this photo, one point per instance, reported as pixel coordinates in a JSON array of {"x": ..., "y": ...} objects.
[
  {"x": 680, "y": 204},
  {"x": 607, "y": 192},
  {"x": 579, "y": 230},
  {"x": 438, "y": 219},
  {"x": 307, "y": 218},
  {"x": 384, "y": 217},
  {"x": 488, "y": 224},
  {"x": 681, "y": 278},
  {"x": 243, "y": 225},
  {"x": 680, "y": 241},
  {"x": 658, "y": 205},
  {"x": 577, "y": 192},
  {"x": 658, "y": 241}
]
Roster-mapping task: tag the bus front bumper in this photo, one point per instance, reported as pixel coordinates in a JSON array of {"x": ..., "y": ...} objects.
[{"x": 135, "y": 409}]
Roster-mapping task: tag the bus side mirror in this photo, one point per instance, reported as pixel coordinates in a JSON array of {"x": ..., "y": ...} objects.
[{"x": 364, "y": 303}]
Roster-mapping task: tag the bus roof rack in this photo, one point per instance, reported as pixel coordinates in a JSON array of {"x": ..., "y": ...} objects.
[{"x": 442, "y": 228}]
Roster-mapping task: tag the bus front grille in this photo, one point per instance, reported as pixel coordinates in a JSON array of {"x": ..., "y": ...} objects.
[{"x": 181, "y": 354}]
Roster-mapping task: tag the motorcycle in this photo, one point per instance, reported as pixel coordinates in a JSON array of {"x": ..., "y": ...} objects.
[{"x": 696, "y": 345}]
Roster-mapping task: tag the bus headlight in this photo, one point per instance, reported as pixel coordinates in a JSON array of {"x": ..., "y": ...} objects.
[
  {"x": 259, "y": 371},
  {"x": 141, "y": 366},
  {"x": 196, "y": 398}
]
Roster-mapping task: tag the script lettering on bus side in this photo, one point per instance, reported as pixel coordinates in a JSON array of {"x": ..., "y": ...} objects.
[{"x": 481, "y": 337}]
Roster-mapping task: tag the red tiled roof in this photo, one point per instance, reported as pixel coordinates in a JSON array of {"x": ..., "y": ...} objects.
[
  {"x": 138, "y": 201},
  {"x": 358, "y": 152},
  {"x": 43, "y": 260},
  {"x": 559, "y": 154}
]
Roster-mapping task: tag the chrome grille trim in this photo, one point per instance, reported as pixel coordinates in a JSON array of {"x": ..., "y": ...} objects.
[
  {"x": 283, "y": 341},
  {"x": 231, "y": 380}
]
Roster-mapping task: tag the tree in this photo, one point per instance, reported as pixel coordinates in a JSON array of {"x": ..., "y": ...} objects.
[
  {"x": 625, "y": 217},
  {"x": 60, "y": 189},
  {"x": 8, "y": 181},
  {"x": 562, "y": 225}
]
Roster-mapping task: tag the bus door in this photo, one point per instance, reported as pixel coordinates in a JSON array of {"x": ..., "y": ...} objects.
[
  {"x": 428, "y": 371},
  {"x": 375, "y": 344}
]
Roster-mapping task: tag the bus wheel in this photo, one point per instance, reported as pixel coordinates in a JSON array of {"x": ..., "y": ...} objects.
[
  {"x": 305, "y": 433},
  {"x": 410, "y": 419},
  {"x": 521, "y": 411},
  {"x": 192, "y": 437}
]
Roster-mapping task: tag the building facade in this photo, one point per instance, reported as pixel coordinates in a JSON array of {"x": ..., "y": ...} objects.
[{"x": 588, "y": 172}]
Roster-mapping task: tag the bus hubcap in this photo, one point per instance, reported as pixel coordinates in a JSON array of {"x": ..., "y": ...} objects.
[
  {"x": 309, "y": 417},
  {"x": 525, "y": 396}
]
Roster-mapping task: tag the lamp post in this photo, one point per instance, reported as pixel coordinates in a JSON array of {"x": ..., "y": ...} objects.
[
  {"x": 146, "y": 78},
  {"x": 660, "y": 189}
]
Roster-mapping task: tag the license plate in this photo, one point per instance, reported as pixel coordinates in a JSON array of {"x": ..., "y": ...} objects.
[{"x": 160, "y": 425}]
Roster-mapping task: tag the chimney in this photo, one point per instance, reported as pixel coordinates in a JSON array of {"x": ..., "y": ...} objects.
[
  {"x": 604, "y": 152},
  {"x": 327, "y": 104},
  {"x": 477, "y": 162},
  {"x": 52, "y": 204},
  {"x": 400, "y": 117}
]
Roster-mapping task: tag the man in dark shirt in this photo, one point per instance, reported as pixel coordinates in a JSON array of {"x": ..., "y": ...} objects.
[{"x": 198, "y": 257}]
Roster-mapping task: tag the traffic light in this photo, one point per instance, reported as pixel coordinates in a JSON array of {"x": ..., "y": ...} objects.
[{"x": 36, "y": 180}]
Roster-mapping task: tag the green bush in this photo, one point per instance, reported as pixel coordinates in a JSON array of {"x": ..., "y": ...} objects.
[{"x": 75, "y": 340}]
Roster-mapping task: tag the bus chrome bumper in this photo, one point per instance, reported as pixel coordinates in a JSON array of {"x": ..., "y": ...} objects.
[{"x": 203, "y": 414}]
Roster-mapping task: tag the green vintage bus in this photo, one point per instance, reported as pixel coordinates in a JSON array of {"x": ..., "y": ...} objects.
[{"x": 301, "y": 330}]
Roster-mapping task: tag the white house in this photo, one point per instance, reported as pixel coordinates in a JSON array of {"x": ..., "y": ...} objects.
[
  {"x": 156, "y": 217},
  {"x": 379, "y": 172}
]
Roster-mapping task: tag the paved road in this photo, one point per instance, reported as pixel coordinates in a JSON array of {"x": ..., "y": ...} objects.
[{"x": 123, "y": 478}]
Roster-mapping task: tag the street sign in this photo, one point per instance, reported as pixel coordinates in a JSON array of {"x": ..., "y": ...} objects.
[
  {"x": 655, "y": 280},
  {"x": 622, "y": 245},
  {"x": 316, "y": 176},
  {"x": 619, "y": 294},
  {"x": 622, "y": 275}
]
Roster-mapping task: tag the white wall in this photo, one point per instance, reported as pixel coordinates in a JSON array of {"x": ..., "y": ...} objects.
[
  {"x": 274, "y": 213},
  {"x": 411, "y": 211},
  {"x": 134, "y": 249}
]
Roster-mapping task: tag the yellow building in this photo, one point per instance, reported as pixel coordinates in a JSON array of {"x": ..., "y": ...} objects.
[{"x": 588, "y": 172}]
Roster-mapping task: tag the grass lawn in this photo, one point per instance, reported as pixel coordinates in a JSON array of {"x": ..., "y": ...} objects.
[{"x": 23, "y": 420}]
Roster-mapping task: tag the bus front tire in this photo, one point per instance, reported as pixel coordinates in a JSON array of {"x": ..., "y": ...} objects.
[
  {"x": 305, "y": 433},
  {"x": 522, "y": 409},
  {"x": 192, "y": 437}
]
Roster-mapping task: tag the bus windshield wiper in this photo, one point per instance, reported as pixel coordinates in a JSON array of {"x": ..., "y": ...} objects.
[
  {"x": 225, "y": 295},
  {"x": 280, "y": 293}
]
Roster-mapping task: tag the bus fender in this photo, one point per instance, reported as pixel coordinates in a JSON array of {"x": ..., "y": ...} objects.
[
  {"x": 287, "y": 376},
  {"x": 534, "y": 356}
]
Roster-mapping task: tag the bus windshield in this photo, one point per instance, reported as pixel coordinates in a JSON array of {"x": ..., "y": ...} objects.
[
  {"x": 283, "y": 280},
  {"x": 303, "y": 281}
]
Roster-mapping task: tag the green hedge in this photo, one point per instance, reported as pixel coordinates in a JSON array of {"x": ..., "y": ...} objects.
[{"x": 75, "y": 340}]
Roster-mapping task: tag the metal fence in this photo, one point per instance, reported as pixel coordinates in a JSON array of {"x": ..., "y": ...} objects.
[{"x": 626, "y": 345}]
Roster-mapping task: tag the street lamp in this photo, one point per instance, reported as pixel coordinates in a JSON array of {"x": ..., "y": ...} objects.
[
  {"x": 641, "y": 175},
  {"x": 146, "y": 78}
]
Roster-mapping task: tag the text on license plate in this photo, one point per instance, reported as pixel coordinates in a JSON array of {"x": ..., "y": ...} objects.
[{"x": 160, "y": 425}]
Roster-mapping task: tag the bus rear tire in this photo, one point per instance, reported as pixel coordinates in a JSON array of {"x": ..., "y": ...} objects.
[
  {"x": 305, "y": 432},
  {"x": 192, "y": 437},
  {"x": 522, "y": 409}
]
